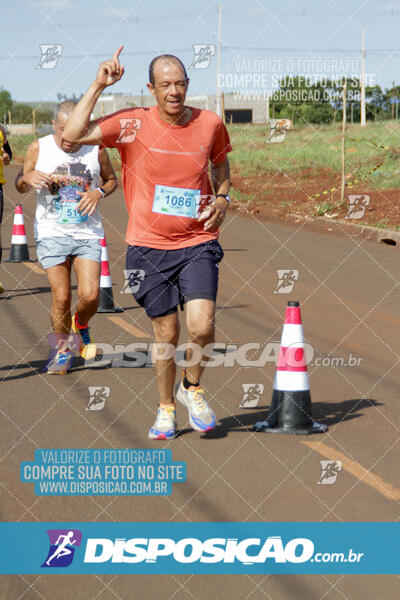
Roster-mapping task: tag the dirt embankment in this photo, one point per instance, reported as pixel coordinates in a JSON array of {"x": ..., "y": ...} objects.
[{"x": 310, "y": 194}]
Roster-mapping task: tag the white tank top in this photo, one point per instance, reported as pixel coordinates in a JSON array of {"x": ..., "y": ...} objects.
[{"x": 70, "y": 172}]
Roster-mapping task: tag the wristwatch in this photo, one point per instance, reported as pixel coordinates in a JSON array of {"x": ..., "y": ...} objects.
[
  {"x": 226, "y": 196},
  {"x": 102, "y": 191}
]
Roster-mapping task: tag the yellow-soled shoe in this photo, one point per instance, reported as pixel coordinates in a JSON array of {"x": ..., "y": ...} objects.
[{"x": 88, "y": 348}]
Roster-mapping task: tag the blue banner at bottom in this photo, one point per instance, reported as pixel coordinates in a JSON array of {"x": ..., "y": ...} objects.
[{"x": 209, "y": 548}]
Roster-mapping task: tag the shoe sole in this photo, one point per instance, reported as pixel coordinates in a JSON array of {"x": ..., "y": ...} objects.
[
  {"x": 65, "y": 372},
  {"x": 57, "y": 372},
  {"x": 181, "y": 397},
  {"x": 162, "y": 436},
  {"x": 88, "y": 351}
]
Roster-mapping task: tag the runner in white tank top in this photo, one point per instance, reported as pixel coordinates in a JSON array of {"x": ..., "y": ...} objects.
[
  {"x": 71, "y": 173},
  {"x": 68, "y": 229}
]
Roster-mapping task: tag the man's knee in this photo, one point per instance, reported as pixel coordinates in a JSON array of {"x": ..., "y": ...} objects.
[
  {"x": 167, "y": 336},
  {"x": 201, "y": 331},
  {"x": 89, "y": 296},
  {"x": 166, "y": 332},
  {"x": 62, "y": 299}
]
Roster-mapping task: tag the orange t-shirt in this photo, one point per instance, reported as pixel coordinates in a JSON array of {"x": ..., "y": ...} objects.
[{"x": 157, "y": 153}]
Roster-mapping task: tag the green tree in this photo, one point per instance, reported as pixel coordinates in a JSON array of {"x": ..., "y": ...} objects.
[
  {"x": 377, "y": 106},
  {"x": 303, "y": 101},
  {"x": 44, "y": 116},
  {"x": 5, "y": 102},
  {"x": 21, "y": 113}
]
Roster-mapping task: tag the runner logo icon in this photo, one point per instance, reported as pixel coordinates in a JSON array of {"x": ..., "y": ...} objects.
[
  {"x": 128, "y": 130},
  {"x": 202, "y": 55},
  {"x": 133, "y": 279},
  {"x": 330, "y": 471},
  {"x": 251, "y": 394},
  {"x": 98, "y": 395},
  {"x": 357, "y": 206},
  {"x": 62, "y": 547},
  {"x": 286, "y": 280},
  {"x": 50, "y": 55},
  {"x": 278, "y": 129}
]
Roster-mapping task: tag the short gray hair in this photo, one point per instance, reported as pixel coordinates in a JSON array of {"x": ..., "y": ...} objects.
[
  {"x": 168, "y": 58},
  {"x": 66, "y": 107}
]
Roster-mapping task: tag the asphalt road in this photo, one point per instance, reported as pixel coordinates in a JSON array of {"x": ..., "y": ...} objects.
[{"x": 348, "y": 289}]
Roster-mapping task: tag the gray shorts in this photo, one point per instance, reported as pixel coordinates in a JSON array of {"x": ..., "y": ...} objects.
[{"x": 53, "y": 251}]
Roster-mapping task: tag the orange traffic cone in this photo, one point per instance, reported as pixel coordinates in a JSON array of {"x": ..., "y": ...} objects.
[
  {"x": 19, "y": 251},
  {"x": 106, "y": 301},
  {"x": 290, "y": 410}
]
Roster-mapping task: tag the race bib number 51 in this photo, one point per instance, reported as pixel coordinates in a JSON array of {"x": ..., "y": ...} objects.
[
  {"x": 66, "y": 206},
  {"x": 177, "y": 202}
]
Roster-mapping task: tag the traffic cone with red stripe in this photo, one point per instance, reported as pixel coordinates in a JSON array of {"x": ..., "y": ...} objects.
[
  {"x": 106, "y": 300},
  {"x": 290, "y": 410},
  {"x": 19, "y": 251}
]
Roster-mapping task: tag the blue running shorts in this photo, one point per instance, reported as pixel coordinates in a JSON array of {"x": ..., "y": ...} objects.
[{"x": 164, "y": 279}]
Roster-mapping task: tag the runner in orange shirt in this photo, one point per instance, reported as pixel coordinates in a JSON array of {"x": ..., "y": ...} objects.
[{"x": 172, "y": 231}]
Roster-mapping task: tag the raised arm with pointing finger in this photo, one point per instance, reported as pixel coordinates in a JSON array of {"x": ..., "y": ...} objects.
[{"x": 79, "y": 127}]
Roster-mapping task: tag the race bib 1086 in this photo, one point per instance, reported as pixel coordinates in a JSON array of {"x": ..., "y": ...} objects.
[{"x": 177, "y": 202}]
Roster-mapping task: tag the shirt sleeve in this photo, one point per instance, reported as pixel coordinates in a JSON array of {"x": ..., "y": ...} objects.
[
  {"x": 221, "y": 146},
  {"x": 110, "y": 129}
]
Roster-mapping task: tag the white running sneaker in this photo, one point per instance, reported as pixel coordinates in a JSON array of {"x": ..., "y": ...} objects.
[
  {"x": 164, "y": 427},
  {"x": 201, "y": 416}
]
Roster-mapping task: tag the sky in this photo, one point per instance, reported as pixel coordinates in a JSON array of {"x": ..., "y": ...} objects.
[{"x": 264, "y": 39}]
